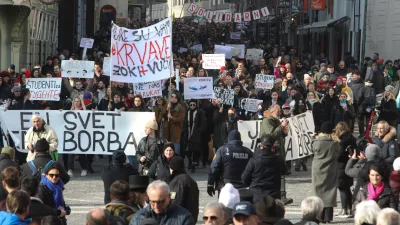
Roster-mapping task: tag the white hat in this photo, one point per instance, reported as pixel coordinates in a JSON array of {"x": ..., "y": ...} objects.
[
  {"x": 306, "y": 75},
  {"x": 36, "y": 115},
  {"x": 229, "y": 196},
  {"x": 396, "y": 164}
]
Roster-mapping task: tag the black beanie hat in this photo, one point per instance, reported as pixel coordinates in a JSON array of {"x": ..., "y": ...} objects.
[
  {"x": 42, "y": 146},
  {"x": 177, "y": 163},
  {"x": 326, "y": 128},
  {"x": 119, "y": 157}
]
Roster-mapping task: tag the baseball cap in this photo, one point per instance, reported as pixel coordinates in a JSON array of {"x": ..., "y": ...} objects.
[
  {"x": 286, "y": 106},
  {"x": 243, "y": 208}
]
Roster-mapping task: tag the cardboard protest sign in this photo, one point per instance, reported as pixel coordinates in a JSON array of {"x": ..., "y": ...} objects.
[
  {"x": 223, "y": 95},
  {"x": 86, "y": 43},
  {"x": 237, "y": 50},
  {"x": 77, "y": 69},
  {"x": 213, "y": 61},
  {"x": 197, "y": 48},
  {"x": 264, "y": 81},
  {"x": 141, "y": 55},
  {"x": 235, "y": 35},
  {"x": 48, "y": 89},
  {"x": 82, "y": 132},
  {"x": 148, "y": 89},
  {"x": 254, "y": 54},
  {"x": 106, "y": 66},
  {"x": 251, "y": 105},
  {"x": 297, "y": 142},
  {"x": 198, "y": 88},
  {"x": 220, "y": 49}
]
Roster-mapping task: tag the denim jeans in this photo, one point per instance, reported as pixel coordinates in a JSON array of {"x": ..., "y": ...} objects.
[
  {"x": 177, "y": 148},
  {"x": 132, "y": 159}
]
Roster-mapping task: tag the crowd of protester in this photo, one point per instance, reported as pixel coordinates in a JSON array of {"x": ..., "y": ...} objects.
[{"x": 153, "y": 186}]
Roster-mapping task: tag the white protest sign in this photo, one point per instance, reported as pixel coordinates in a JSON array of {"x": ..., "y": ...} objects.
[
  {"x": 198, "y": 88},
  {"x": 141, "y": 55},
  {"x": 148, "y": 89},
  {"x": 264, "y": 81},
  {"x": 44, "y": 88},
  {"x": 83, "y": 132},
  {"x": 77, "y": 69},
  {"x": 251, "y": 105},
  {"x": 198, "y": 47},
  {"x": 297, "y": 142},
  {"x": 225, "y": 96},
  {"x": 86, "y": 43},
  {"x": 181, "y": 50},
  {"x": 254, "y": 54},
  {"x": 235, "y": 35},
  {"x": 238, "y": 50},
  {"x": 220, "y": 49},
  {"x": 213, "y": 61},
  {"x": 106, "y": 66}
]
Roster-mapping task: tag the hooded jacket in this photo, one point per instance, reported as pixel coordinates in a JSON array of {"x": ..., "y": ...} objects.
[
  {"x": 388, "y": 145},
  {"x": 12, "y": 219},
  {"x": 272, "y": 126}
]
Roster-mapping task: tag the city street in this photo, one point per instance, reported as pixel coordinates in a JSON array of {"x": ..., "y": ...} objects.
[{"x": 85, "y": 193}]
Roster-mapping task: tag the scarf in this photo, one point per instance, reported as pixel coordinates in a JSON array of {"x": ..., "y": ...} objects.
[
  {"x": 373, "y": 193},
  {"x": 57, "y": 190}
]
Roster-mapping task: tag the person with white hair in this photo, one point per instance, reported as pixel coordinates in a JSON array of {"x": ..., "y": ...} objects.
[
  {"x": 161, "y": 208},
  {"x": 40, "y": 130},
  {"x": 311, "y": 210},
  {"x": 214, "y": 214},
  {"x": 366, "y": 212},
  {"x": 388, "y": 216}
]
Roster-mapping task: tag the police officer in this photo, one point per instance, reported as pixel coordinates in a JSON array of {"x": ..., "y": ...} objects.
[{"x": 228, "y": 163}]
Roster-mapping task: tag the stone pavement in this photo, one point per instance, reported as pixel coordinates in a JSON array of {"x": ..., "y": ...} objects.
[{"x": 85, "y": 193}]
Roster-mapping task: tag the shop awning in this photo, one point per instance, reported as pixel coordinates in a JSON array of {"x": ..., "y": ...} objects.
[{"x": 321, "y": 26}]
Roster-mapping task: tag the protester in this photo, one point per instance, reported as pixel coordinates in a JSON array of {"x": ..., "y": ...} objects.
[
  {"x": 366, "y": 213},
  {"x": 173, "y": 120},
  {"x": 96, "y": 216},
  {"x": 137, "y": 195},
  {"x": 159, "y": 170},
  {"x": 269, "y": 210},
  {"x": 388, "y": 217},
  {"x": 244, "y": 213},
  {"x": 17, "y": 209},
  {"x": 214, "y": 214},
  {"x": 385, "y": 138},
  {"x": 9, "y": 182},
  {"x": 149, "y": 148},
  {"x": 311, "y": 210},
  {"x": 118, "y": 207},
  {"x": 7, "y": 158}
]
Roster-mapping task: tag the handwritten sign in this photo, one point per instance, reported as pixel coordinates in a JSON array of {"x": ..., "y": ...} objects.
[
  {"x": 141, "y": 55},
  {"x": 213, "y": 61},
  {"x": 197, "y": 48},
  {"x": 225, "y": 96},
  {"x": 297, "y": 142},
  {"x": 106, "y": 66},
  {"x": 235, "y": 35},
  {"x": 237, "y": 50},
  {"x": 148, "y": 89},
  {"x": 264, "y": 81},
  {"x": 78, "y": 69},
  {"x": 44, "y": 88},
  {"x": 226, "y": 50},
  {"x": 198, "y": 88},
  {"x": 86, "y": 43},
  {"x": 251, "y": 105},
  {"x": 254, "y": 54}
]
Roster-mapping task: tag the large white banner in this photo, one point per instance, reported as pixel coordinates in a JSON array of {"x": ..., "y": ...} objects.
[
  {"x": 297, "y": 142},
  {"x": 213, "y": 61},
  {"x": 44, "y": 88},
  {"x": 198, "y": 88},
  {"x": 82, "y": 132},
  {"x": 77, "y": 69},
  {"x": 141, "y": 55},
  {"x": 148, "y": 89}
]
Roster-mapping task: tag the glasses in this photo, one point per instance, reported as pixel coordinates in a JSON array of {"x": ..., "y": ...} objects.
[
  {"x": 159, "y": 202},
  {"x": 54, "y": 175},
  {"x": 192, "y": 104},
  {"x": 212, "y": 218}
]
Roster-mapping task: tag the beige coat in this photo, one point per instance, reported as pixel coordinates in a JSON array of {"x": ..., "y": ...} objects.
[{"x": 32, "y": 137}]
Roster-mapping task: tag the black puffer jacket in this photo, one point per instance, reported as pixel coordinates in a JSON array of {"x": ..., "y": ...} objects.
[
  {"x": 388, "y": 111},
  {"x": 194, "y": 143},
  {"x": 151, "y": 152},
  {"x": 385, "y": 199},
  {"x": 174, "y": 214},
  {"x": 357, "y": 87},
  {"x": 263, "y": 174},
  {"x": 339, "y": 115},
  {"x": 347, "y": 139},
  {"x": 159, "y": 170},
  {"x": 6, "y": 161}
]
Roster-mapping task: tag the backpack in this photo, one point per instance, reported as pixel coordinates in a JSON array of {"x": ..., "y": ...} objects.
[
  {"x": 38, "y": 172},
  {"x": 369, "y": 98},
  {"x": 119, "y": 219}
]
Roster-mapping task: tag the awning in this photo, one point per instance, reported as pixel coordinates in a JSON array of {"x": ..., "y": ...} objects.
[{"x": 321, "y": 26}]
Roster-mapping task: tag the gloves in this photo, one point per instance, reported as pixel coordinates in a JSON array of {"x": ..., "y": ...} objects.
[{"x": 210, "y": 190}]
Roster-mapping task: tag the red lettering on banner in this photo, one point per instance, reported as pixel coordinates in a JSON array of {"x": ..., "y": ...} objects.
[
  {"x": 46, "y": 94},
  {"x": 247, "y": 16},
  {"x": 144, "y": 54},
  {"x": 153, "y": 51}
]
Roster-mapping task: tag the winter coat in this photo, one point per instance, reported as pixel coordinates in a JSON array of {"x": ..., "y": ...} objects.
[
  {"x": 263, "y": 174},
  {"x": 357, "y": 87},
  {"x": 75, "y": 93},
  {"x": 388, "y": 145},
  {"x": 38, "y": 210},
  {"x": 338, "y": 114},
  {"x": 40, "y": 161},
  {"x": 385, "y": 199},
  {"x": 193, "y": 137},
  {"x": 6, "y": 161},
  {"x": 226, "y": 128},
  {"x": 272, "y": 126},
  {"x": 328, "y": 103},
  {"x": 318, "y": 116},
  {"x": 185, "y": 192},
  {"x": 325, "y": 169},
  {"x": 31, "y": 137},
  {"x": 159, "y": 170},
  {"x": 394, "y": 181},
  {"x": 346, "y": 139},
  {"x": 151, "y": 152},
  {"x": 172, "y": 128},
  {"x": 159, "y": 112},
  {"x": 174, "y": 214},
  {"x": 4, "y": 92},
  {"x": 388, "y": 111},
  {"x": 307, "y": 220},
  {"x": 378, "y": 81},
  {"x": 12, "y": 219},
  {"x": 116, "y": 172},
  {"x": 120, "y": 208},
  {"x": 219, "y": 121}
]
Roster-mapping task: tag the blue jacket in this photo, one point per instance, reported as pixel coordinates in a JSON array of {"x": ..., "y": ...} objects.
[
  {"x": 174, "y": 215},
  {"x": 12, "y": 219}
]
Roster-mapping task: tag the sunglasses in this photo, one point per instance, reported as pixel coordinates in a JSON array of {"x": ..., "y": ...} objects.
[
  {"x": 192, "y": 104},
  {"x": 54, "y": 175},
  {"x": 159, "y": 202},
  {"x": 212, "y": 218}
]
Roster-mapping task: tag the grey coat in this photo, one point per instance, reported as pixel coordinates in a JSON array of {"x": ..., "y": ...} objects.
[{"x": 325, "y": 169}]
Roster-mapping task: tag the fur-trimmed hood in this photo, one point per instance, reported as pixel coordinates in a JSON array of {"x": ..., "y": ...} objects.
[{"x": 389, "y": 136}]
